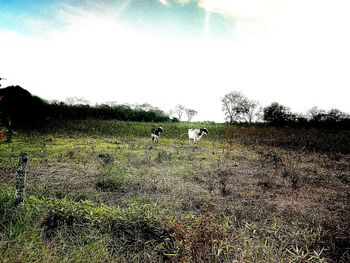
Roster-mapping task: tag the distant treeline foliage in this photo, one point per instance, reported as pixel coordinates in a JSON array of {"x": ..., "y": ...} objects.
[
  {"x": 23, "y": 108},
  {"x": 280, "y": 116},
  {"x": 26, "y": 109},
  {"x": 239, "y": 109},
  {"x": 62, "y": 111}
]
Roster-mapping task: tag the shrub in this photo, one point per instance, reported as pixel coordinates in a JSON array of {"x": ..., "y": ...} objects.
[
  {"x": 114, "y": 179},
  {"x": 7, "y": 205}
]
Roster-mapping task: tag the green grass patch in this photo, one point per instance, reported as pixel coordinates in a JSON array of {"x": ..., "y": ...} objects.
[
  {"x": 101, "y": 191},
  {"x": 113, "y": 178}
]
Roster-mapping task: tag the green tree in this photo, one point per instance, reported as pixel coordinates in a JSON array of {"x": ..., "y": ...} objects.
[{"x": 277, "y": 114}]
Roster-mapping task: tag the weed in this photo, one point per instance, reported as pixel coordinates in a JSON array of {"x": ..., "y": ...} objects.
[
  {"x": 293, "y": 176},
  {"x": 198, "y": 242},
  {"x": 271, "y": 157},
  {"x": 106, "y": 158},
  {"x": 223, "y": 177},
  {"x": 71, "y": 154},
  {"x": 164, "y": 156},
  {"x": 114, "y": 179}
]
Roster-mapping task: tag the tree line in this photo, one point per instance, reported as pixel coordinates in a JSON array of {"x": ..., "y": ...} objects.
[
  {"x": 25, "y": 108},
  {"x": 106, "y": 111},
  {"x": 19, "y": 107},
  {"x": 239, "y": 109}
]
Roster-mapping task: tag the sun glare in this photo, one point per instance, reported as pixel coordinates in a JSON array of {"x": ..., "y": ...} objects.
[
  {"x": 102, "y": 57},
  {"x": 206, "y": 30}
]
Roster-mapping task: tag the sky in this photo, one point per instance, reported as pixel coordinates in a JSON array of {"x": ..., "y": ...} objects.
[{"x": 189, "y": 52}]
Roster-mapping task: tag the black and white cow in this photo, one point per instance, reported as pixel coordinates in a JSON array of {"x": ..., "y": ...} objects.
[
  {"x": 155, "y": 133},
  {"x": 196, "y": 134}
]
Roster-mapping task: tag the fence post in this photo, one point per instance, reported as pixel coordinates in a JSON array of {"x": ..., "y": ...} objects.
[
  {"x": 9, "y": 131},
  {"x": 21, "y": 178}
]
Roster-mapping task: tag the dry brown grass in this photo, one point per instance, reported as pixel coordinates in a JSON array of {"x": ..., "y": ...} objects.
[{"x": 230, "y": 199}]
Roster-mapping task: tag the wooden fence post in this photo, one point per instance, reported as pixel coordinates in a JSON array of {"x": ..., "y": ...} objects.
[
  {"x": 21, "y": 178},
  {"x": 9, "y": 132}
]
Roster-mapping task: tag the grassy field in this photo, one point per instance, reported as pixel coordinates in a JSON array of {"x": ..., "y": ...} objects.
[{"x": 101, "y": 191}]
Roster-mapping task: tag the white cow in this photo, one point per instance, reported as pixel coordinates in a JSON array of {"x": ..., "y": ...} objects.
[{"x": 196, "y": 134}]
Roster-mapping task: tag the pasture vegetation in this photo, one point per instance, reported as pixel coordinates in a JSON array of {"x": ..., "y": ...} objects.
[{"x": 100, "y": 191}]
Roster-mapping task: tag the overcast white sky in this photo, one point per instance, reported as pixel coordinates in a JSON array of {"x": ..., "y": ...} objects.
[{"x": 190, "y": 52}]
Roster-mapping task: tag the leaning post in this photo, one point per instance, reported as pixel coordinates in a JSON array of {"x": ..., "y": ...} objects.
[{"x": 21, "y": 178}]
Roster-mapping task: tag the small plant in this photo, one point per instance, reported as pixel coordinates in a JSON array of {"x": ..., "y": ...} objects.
[
  {"x": 223, "y": 177},
  {"x": 106, "y": 158},
  {"x": 194, "y": 203},
  {"x": 7, "y": 204},
  {"x": 71, "y": 154},
  {"x": 114, "y": 179},
  {"x": 270, "y": 157},
  {"x": 43, "y": 153},
  {"x": 293, "y": 177},
  {"x": 163, "y": 156},
  {"x": 198, "y": 242}
]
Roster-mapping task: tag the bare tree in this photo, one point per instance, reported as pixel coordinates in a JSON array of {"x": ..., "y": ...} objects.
[
  {"x": 234, "y": 105},
  {"x": 178, "y": 111},
  {"x": 77, "y": 101},
  {"x": 254, "y": 112},
  {"x": 238, "y": 108},
  {"x": 316, "y": 114},
  {"x": 190, "y": 113}
]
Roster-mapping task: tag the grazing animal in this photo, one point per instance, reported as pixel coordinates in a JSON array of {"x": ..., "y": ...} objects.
[
  {"x": 196, "y": 134},
  {"x": 155, "y": 133}
]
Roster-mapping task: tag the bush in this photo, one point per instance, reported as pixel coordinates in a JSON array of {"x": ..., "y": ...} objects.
[
  {"x": 63, "y": 111},
  {"x": 114, "y": 179},
  {"x": 276, "y": 114},
  {"x": 7, "y": 206}
]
